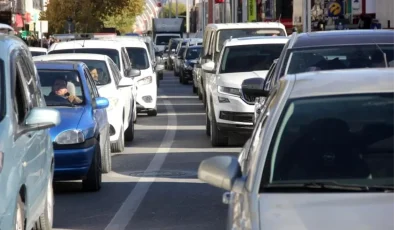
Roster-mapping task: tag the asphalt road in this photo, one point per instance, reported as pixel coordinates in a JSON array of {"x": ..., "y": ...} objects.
[{"x": 153, "y": 184}]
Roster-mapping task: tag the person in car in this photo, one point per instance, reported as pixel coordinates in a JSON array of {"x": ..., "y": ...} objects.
[
  {"x": 95, "y": 74},
  {"x": 60, "y": 92}
]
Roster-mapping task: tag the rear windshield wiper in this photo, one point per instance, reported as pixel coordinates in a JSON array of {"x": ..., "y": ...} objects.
[{"x": 331, "y": 185}]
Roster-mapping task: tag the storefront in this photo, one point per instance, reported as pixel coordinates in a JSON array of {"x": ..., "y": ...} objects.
[{"x": 12, "y": 12}]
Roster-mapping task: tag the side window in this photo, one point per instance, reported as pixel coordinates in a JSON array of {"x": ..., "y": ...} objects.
[
  {"x": 31, "y": 80},
  {"x": 115, "y": 72},
  {"x": 126, "y": 59},
  {"x": 20, "y": 95},
  {"x": 90, "y": 85},
  {"x": 270, "y": 75}
]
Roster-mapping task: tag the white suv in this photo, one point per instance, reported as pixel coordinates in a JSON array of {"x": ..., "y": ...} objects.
[
  {"x": 113, "y": 86},
  {"x": 228, "y": 109}
]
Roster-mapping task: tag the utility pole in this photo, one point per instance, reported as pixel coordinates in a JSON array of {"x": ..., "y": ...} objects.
[
  {"x": 306, "y": 14},
  {"x": 187, "y": 19}
]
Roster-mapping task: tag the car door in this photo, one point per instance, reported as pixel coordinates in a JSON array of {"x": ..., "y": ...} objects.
[
  {"x": 28, "y": 145},
  {"x": 100, "y": 115}
]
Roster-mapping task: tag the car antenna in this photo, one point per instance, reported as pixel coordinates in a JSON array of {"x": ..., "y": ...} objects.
[{"x": 384, "y": 56}]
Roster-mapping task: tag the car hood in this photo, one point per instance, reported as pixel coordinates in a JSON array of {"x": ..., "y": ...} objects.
[
  {"x": 69, "y": 119},
  {"x": 234, "y": 80},
  {"x": 326, "y": 211}
]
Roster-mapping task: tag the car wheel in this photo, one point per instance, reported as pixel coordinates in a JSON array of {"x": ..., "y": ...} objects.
[
  {"x": 129, "y": 135},
  {"x": 118, "y": 146},
  {"x": 180, "y": 79},
  {"x": 20, "y": 215},
  {"x": 194, "y": 89},
  {"x": 45, "y": 221},
  {"x": 94, "y": 178},
  {"x": 217, "y": 137},
  {"x": 106, "y": 157},
  {"x": 152, "y": 112},
  {"x": 207, "y": 124}
]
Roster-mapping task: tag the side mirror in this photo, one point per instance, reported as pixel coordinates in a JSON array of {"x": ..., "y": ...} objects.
[
  {"x": 254, "y": 87},
  {"x": 125, "y": 82},
  {"x": 134, "y": 73},
  {"x": 159, "y": 67},
  {"x": 220, "y": 171},
  {"x": 41, "y": 118},
  {"x": 209, "y": 67},
  {"x": 101, "y": 103}
]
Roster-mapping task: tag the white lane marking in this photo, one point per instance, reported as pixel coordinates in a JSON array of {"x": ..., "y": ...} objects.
[
  {"x": 180, "y": 114},
  {"x": 176, "y": 97},
  {"x": 124, "y": 177},
  {"x": 169, "y": 127},
  {"x": 141, "y": 150},
  {"x": 134, "y": 199}
]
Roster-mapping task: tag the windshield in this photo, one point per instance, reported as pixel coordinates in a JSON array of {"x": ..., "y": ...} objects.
[
  {"x": 345, "y": 57},
  {"x": 181, "y": 51},
  {"x": 98, "y": 70},
  {"x": 193, "y": 53},
  {"x": 239, "y": 33},
  {"x": 37, "y": 53},
  {"x": 249, "y": 57},
  {"x": 112, "y": 53},
  {"x": 164, "y": 39},
  {"x": 336, "y": 138},
  {"x": 138, "y": 58},
  {"x": 61, "y": 87}
]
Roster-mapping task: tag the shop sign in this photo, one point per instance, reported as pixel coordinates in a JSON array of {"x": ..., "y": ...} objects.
[
  {"x": 252, "y": 10},
  {"x": 335, "y": 9}
]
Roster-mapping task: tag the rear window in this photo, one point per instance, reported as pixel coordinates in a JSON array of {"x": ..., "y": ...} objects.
[
  {"x": 37, "y": 53},
  {"x": 138, "y": 57},
  {"x": 98, "y": 70}
]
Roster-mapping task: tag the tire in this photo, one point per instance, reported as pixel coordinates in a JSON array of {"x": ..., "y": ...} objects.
[
  {"x": 20, "y": 215},
  {"x": 194, "y": 89},
  {"x": 152, "y": 113},
  {"x": 199, "y": 94},
  {"x": 118, "y": 146},
  {"x": 93, "y": 180},
  {"x": 129, "y": 134},
  {"x": 106, "y": 157},
  {"x": 158, "y": 83},
  {"x": 217, "y": 137},
  {"x": 45, "y": 221},
  {"x": 207, "y": 124}
]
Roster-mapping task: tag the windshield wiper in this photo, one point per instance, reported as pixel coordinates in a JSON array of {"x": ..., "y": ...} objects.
[{"x": 332, "y": 185}]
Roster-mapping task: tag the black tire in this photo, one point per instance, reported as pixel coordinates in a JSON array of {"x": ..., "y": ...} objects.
[
  {"x": 45, "y": 221},
  {"x": 217, "y": 137},
  {"x": 152, "y": 113},
  {"x": 207, "y": 124},
  {"x": 118, "y": 146},
  {"x": 158, "y": 83},
  {"x": 194, "y": 89},
  {"x": 129, "y": 134},
  {"x": 106, "y": 157},
  {"x": 180, "y": 79},
  {"x": 19, "y": 212},
  {"x": 93, "y": 180}
]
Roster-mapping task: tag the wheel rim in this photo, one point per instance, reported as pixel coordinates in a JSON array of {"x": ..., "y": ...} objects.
[
  {"x": 50, "y": 202},
  {"x": 19, "y": 221}
]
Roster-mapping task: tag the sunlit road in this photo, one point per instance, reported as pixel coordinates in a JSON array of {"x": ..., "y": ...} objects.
[{"x": 154, "y": 182}]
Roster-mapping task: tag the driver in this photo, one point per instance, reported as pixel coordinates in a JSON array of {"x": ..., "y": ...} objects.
[
  {"x": 59, "y": 90},
  {"x": 95, "y": 75}
]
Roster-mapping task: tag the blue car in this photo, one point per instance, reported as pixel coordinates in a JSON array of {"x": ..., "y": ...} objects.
[{"x": 81, "y": 141}]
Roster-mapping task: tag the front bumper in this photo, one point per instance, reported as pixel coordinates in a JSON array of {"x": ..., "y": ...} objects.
[
  {"x": 72, "y": 162},
  {"x": 147, "y": 97}
]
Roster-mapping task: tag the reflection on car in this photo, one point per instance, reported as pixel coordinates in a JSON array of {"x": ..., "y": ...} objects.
[{"x": 81, "y": 141}]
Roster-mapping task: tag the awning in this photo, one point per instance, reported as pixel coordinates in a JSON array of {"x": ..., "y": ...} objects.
[{"x": 18, "y": 21}]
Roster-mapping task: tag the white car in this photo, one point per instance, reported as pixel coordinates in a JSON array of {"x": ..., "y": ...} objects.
[
  {"x": 228, "y": 109},
  {"x": 37, "y": 51},
  {"x": 111, "y": 85},
  {"x": 146, "y": 83},
  {"x": 111, "y": 48},
  {"x": 320, "y": 156}
]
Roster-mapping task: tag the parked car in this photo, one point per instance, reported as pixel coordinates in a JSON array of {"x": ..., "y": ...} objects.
[
  {"x": 113, "y": 86},
  {"x": 322, "y": 150},
  {"x": 26, "y": 151},
  {"x": 188, "y": 60},
  {"x": 82, "y": 140},
  {"x": 37, "y": 51}
]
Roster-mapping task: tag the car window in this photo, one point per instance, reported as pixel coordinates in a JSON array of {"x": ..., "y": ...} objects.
[
  {"x": 115, "y": 73},
  {"x": 181, "y": 51},
  {"x": 126, "y": 59},
  {"x": 139, "y": 57},
  {"x": 21, "y": 98},
  {"x": 345, "y": 139},
  {"x": 193, "y": 52},
  {"x": 98, "y": 70},
  {"x": 28, "y": 72},
  {"x": 2, "y": 90},
  {"x": 91, "y": 84}
]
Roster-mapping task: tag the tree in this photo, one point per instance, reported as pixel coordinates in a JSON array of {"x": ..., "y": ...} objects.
[
  {"x": 86, "y": 14},
  {"x": 166, "y": 10},
  {"x": 125, "y": 19}
]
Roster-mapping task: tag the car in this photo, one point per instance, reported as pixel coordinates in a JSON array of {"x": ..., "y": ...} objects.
[
  {"x": 188, "y": 61},
  {"x": 82, "y": 140},
  {"x": 111, "y": 48},
  {"x": 147, "y": 81},
  {"x": 37, "y": 51},
  {"x": 325, "y": 142},
  {"x": 197, "y": 78},
  {"x": 228, "y": 109},
  {"x": 26, "y": 150},
  {"x": 113, "y": 86},
  {"x": 170, "y": 50},
  {"x": 177, "y": 60}
]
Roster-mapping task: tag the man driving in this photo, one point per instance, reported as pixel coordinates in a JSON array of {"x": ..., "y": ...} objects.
[{"x": 59, "y": 91}]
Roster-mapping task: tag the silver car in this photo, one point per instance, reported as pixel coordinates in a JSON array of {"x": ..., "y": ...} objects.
[
  {"x": 320, "y": 157},
  {"x": 26, "y": 151}
]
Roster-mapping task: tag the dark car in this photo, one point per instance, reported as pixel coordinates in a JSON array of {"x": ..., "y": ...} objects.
[
  {"x": 170, "y": 50},
  {"x": 188, "y": 60}
]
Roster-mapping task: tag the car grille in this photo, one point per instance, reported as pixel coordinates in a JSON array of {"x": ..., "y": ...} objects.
[
  {"x": 248, "y": 99},
  {"x": 236, "y": 116}
]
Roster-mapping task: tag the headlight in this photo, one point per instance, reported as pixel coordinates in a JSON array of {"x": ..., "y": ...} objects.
[
  {"x": 228, "y": 90},
  {"x": 145, "y": 81},
  {"x": 113, "y": 102},
  {"x": 70, "y": 137},
  {"x": 172, "y": 56}
]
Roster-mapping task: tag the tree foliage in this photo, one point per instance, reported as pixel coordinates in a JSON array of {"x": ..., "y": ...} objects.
[
  {"x": 166, "y": 10},
  {"x": 87, "y": 15},
  {"x": 124, "y": 20}
]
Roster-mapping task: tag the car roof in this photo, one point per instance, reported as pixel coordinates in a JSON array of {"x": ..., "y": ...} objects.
[
  {"x": 38, "y": 49},
  {"x": 339, "y": 82},
  {"x": 256, "y": 40},
  {"x": 343, "y": 37},
  {"x": 81, "y": 44},
  {"x": 133, "y": 43},
  {"x": 71, "y": 56},
  {"x": 59, "y": 65},
  {"x": 247, "y": 25},
  {"x": 8, "y": 43}
]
